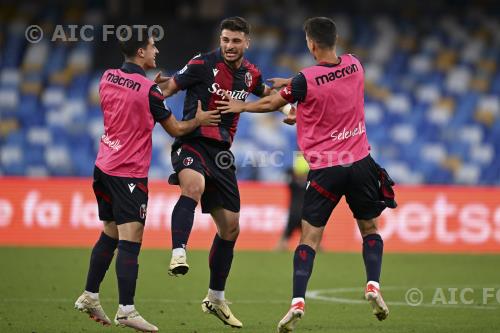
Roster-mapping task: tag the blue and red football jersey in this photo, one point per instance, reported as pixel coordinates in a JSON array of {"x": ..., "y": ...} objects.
[{"x": 206, "y": 77}]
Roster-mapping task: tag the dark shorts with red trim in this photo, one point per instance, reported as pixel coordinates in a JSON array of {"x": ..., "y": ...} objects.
[
  {"x": 216, "y": 164},
  {"x": 365, "y": 185},
  {"x": 120, "y": 199}
]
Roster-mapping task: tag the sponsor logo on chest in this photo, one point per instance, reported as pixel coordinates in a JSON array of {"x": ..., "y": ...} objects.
[{"x": 236, "y": 94}]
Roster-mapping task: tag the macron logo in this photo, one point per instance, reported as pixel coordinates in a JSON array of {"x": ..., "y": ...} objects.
[
  {"x": 338, "y": 74},
  {"x": 131, "y": 187},
  {"x": 215, "y": 70}
]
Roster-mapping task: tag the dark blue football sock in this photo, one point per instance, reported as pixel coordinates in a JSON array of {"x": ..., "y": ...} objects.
[
  {"x": 303, "y": 261},
  {"x": 127, "y": 269},
  {"x": 100, "y": 259},
  {"x": 373, "y": 248},
  {"x": 220, "y": 259},
  {"x": 182, "y": 221}
]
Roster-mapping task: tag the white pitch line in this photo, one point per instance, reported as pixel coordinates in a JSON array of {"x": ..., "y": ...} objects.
[
  {"x": 317, "y": 295},
  {"x": 150, "y": 300}
]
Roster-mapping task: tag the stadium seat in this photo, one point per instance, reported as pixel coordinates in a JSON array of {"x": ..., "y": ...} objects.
[{"x": 432, "y": 106}]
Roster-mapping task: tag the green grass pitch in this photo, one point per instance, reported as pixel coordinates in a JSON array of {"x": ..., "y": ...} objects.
[{"x": 39, "y": 286}]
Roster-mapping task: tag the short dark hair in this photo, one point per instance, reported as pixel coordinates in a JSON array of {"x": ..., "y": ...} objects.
[
  {"x": 133, "y": 39},
  {"x": 322, "y": 30},
  {"x": 235, "y": 23}
]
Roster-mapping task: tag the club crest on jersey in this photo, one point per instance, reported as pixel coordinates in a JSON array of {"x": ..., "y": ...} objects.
[
  {"x": 248, "y": 79},
  {"x": 143, "y": 211},
  {"x": 188, "y": 161}
]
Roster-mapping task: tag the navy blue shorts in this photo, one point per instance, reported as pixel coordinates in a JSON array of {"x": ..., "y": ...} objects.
[
  {"x": 216, "y": 164},
  {"x": 366, "y": 186},
  {"x": 120, "y": 199}
]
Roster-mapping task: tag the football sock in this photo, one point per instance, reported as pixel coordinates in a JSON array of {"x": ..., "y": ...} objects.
[
  {"x": 127, "y": 269},
  {"x": 216, "y": 294},
  {"x": 100, "y": 259},
  {"x": 179, "y": 252},
  {"x": 94, "y": 296},
  {"x": 296, "y": 300},
  {"x": 182, "y": 221},
  {"x": 302, "y": 268},
  {"x": 126, "y": 308},
  {"x": 220, "y": 259},
  {"x": 373, "y": 248}
]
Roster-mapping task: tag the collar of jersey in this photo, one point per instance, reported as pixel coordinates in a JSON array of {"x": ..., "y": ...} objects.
[
  {"x": 131, "y": 68},
  {"x": 329, "y": 64}
]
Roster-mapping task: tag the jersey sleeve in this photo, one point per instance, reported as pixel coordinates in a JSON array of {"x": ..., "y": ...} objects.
[
  {"x": 156, "y": 106},
  {"x": 296, "y": 90},
  {"x": 191, "y": 74}
]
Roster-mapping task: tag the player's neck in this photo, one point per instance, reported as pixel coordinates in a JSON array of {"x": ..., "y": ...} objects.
[
  {"x": 137, "y": 62},
  {"x": 235, "y": 64},
  {"x": 327, "y": 56}
]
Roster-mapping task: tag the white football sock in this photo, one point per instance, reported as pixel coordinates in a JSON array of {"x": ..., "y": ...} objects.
[
  {"x": 126, "y": 308},
  {"x": 179, "y": 252},
  {"x": 216, "y": 294},
  {"x": 94, "y": 296},
  {"x": 296, "y": 300}
]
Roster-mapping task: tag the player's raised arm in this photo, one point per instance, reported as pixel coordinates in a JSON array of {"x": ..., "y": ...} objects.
[
  {"x": 202, "y": 118},
  {"x": 166, "y": 84},
  {"x": 190, "y": 75},
  {"x": 266, "y": 104},
  {"x": 278, "y": 82}
]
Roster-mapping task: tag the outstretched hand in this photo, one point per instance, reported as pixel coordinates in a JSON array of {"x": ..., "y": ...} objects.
[
  {"x": 291, "y": 118},
  {"x": 230, "y": 105},
  {"x": 207, "y": 118},
  {"x": 278, "y": 82},
  {"x": 159, "y": 79}
]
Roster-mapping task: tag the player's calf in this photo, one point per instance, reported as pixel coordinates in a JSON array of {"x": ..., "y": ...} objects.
[{"x": 182, "y": 223}]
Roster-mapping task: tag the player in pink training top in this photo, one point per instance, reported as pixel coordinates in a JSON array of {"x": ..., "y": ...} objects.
[
  {"x": 131, "y": 105},
  {"x": 332, "y": 134}
]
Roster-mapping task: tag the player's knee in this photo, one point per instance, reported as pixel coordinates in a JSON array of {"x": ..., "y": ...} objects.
[
  {"x": 231, "y": 232},
  {"x": 131, "y": 231},
  {"x": 367, "y": 227},
  {"x": 311, "y": 238},
  {"x": 110, "y": 229},
  {"x": 311, "y": 235},
  {"x": 193, "y": 190}
]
